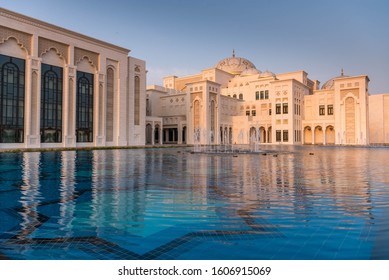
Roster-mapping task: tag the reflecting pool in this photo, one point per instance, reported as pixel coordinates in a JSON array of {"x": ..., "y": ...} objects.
[{"x": 292, "y": 202}]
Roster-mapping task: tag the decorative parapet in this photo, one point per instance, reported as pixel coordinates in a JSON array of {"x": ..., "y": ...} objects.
[
  {"x": 46, "y": 45},
  {"x": 23, "y": 39},
  {"x": 80, "y": 54}
]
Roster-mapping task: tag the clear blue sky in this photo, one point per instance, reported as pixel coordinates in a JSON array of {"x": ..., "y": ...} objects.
[{"x": 178, "y": 37}]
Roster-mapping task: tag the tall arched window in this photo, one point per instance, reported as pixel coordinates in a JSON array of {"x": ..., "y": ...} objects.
[
  {"x": 51, "y": 104},
  {"x": 137, "y": 100},
  {"x": 11, "y": 99},
  {"x": 196, "y": 114},
  {"x": 350, "y": 120},
  {"x": 156, "y": 134},
  {"x": 84, "y": 107},
  {"x": 213, "y": 120},
  {"x": 149, "y": 134},
  {"x": 196, "y": 120},
  {"x": 110, "y": 102}
]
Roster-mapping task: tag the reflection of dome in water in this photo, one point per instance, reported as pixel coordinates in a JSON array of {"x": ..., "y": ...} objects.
[
  {"x": 235, "y": 65},
  {"x": 330, "y": 83}
]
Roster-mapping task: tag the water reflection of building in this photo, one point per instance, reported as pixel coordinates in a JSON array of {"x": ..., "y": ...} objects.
[
  {"x": 67, "y": 191},
  {"x": 303, "y": 184},
  {"x": 30, "y": 193},
  {"x": 118, "y": 191},
  {"x": 122, "y": 190},
  {"x": 342, "y": 179}
]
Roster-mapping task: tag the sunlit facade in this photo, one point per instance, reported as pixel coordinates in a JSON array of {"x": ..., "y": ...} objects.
[
  {"x": 64, "y": 89},
  {"x": 236, "y": 103},
  {"x": 61, "y": 89}
]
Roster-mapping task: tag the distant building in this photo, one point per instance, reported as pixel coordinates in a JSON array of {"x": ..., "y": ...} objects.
[
  {"x": 235, "y": 103},
  {"x": 63, "y": 89}
]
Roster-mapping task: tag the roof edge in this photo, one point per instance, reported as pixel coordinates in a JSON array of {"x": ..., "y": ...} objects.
[{"x": 51, "y": 27}]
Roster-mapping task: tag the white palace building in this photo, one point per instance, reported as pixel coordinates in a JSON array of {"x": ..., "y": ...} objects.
[
  {"x": 62, "y": 89},
  {"x": 236, "y": 103}
]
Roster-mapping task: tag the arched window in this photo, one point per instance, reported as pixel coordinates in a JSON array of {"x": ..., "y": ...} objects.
[
  {"x": 51, "y": 104},
  {"x": 84, "y": 107},
  {"x": 196, "y": 114},
  {"x": 11, "y": 99},
  {"x": 149, "y": 134},
  {"x": 156, "y": 134},
  {"x": 137, "y": 100},
  {"x": 350, "y": 120},
  {"x": 240, "y": 96},
  {"x": 110, "y": 103},
  {"x": 213, "y": 120}
]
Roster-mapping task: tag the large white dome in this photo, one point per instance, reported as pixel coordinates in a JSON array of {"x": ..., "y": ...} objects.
[{"x": 234, "y": 65}]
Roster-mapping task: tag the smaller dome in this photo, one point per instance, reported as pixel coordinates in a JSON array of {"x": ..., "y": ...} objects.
[
  {"x": 266, "y": 74},
  {"x": 330, "y": 83},
  {"x": 250, "y": 71}
]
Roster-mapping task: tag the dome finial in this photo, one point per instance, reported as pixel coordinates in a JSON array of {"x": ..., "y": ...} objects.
[
  {"x": 233, "y": 52},
  {"x": 341, "y": 72}
]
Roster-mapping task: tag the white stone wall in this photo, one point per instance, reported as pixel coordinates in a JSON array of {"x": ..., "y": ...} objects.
[
  {"x": 379, "y": 119},
  {"x": 38, "y": 42}
]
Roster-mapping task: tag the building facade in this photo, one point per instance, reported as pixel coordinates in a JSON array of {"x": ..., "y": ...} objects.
[
  {"x": 64, "y": 89},
  {"x": 59, "y": 89},
  {"x": 235, "y": 103}
]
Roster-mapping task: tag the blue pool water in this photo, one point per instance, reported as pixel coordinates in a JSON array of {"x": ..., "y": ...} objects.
[{"x": 171, "y": 204}]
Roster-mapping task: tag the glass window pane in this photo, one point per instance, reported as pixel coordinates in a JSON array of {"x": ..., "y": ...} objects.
[
  {"x": 84, "y": 107},
  {"x": 12, "y": 99}
]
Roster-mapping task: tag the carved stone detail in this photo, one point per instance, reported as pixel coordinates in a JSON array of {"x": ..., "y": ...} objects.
[
  {"x": 345, "y": 92},
  {"x": 24, "y": 39},
  {"x": 46, "y": 45},
  {"x": 71, "y": 72},
  {"x": 80, "y": 54},
  {"x": 35, "y": 64}
]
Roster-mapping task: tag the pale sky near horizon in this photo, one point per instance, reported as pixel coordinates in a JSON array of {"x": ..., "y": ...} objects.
[{"x": 178, "y": 37}]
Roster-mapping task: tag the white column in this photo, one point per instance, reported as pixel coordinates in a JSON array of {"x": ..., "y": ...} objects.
[
  {"x": 69, "y": 110},
  {"x": 324, "y": 135},
  {"x": 313, "y": 134},
  {"x": 152, "y": 133},
  {"x": 32, "y": 103}
]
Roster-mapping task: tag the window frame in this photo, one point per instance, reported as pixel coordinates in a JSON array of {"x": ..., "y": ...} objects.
[
  {"x": 285, "y": 136},
  {"x": 330, "y": 110},
  {"x": 12, "y": 99},
  {"x": 51, "y": 119},
  {"x": 278, "y": 109},
  {"x": 285, "y": 108},
  {"x": 84, "y": 107},
  {"x": 322, "y": 110},
  {"x": 278, "y": 135}
]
